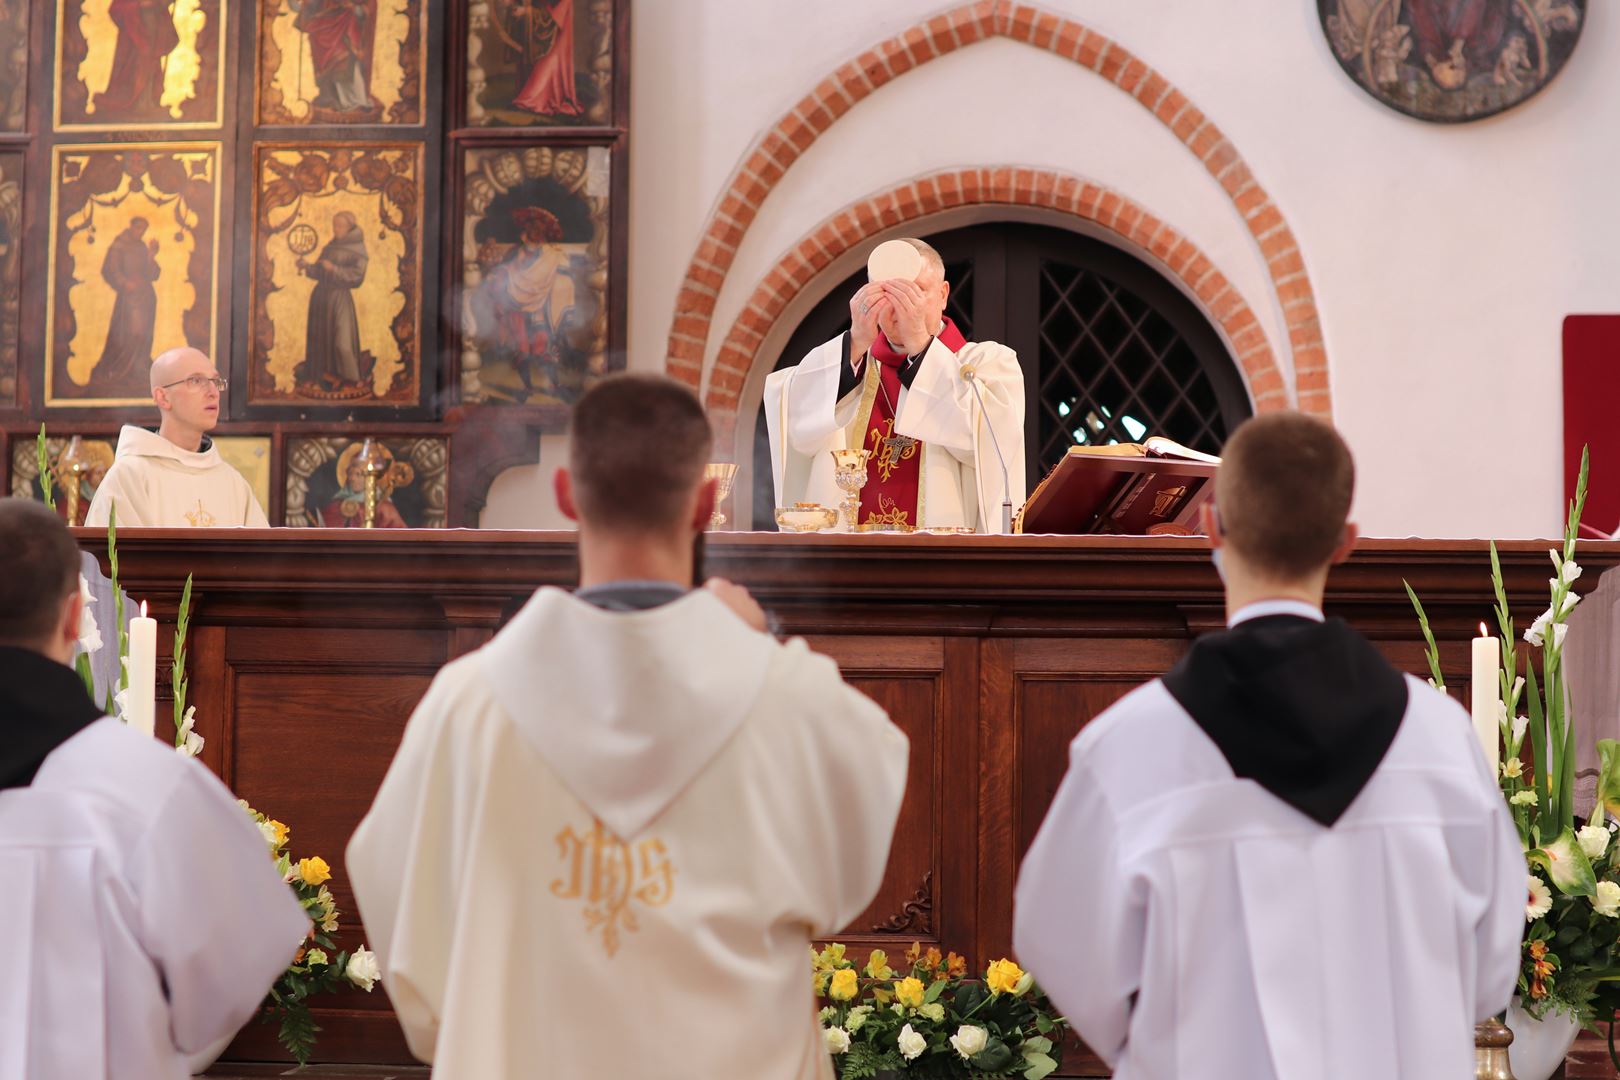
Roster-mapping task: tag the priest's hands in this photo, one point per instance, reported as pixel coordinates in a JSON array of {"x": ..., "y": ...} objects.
[
  {"x": 738, "y": 600},
  {"x": 908, "y": 323},
  {"x": 865, "y": 306}
]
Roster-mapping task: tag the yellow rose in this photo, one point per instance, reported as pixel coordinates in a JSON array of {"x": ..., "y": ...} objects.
[
  {"x": 843, "y": 985},
  {"x": 314, "y": 871},
  {"x": 1003, "y": 976},
  {"x": 282, "y": 832},
  {"x": 909, "y": 992},
  {"x": 877, "y": 965}
]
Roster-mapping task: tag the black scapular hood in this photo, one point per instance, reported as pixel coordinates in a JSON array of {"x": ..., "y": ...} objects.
[
  {"x": 1305, "y": 709},
  {"x": 43, "y": 704}
]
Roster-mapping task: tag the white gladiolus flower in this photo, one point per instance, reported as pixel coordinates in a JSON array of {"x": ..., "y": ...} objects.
[
  {"x": 1521, "y": 724},
  {"x": 837, "y": 1040},
  {"x": 1558, "y": 632},
  {"x": 969, "y": 1040},
  {"x": 1534, "y": 634},
  {"x": 1540, "y": 901},
  {"x": 1570, "y": 600},
  {"x": 362, "y": 969},
  {"x": 121, "y": 704},
  {"x": 191, "y": 743},
  {"x": 1594, "y": 840},
  {"x": 1570, "y": 572},
  {"x": 1607, "y": 900},
  {"x": 911, "y": 1044},
  {"x": 89, "y": 632}
]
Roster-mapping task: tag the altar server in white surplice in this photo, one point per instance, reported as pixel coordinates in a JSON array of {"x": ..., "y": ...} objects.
[
  {"x": 609, "y": 835},
  {"x": 900, "y": 382},
  {"x": 1285, "y": 859},
  {"x": 174, "y": 477},
  {"x": 141, "y": 917}
]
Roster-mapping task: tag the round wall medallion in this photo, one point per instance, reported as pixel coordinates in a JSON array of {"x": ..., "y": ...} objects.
[{"x": 1452, "y": 61}]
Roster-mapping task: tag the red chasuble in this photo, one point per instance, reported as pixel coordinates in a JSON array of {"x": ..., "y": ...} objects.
[{"x": 894, "y": 471}]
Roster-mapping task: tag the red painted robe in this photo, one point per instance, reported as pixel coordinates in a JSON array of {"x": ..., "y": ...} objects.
[{"x": 549, "y": 90}]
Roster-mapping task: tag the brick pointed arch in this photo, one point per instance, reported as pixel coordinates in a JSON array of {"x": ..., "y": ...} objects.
[
  {"x": 798, "y": 129},
  {"x": 1003, "y": 186}
]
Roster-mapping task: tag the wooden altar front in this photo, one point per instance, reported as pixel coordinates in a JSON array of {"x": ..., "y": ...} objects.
[{"x": 309, "y": 650}]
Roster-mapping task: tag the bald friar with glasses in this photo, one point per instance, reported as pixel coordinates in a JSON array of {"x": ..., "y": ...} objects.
[{"x": 174, "y": 477}]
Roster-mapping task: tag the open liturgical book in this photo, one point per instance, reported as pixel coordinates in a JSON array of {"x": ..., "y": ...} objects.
[{"x": 1122, "y": 489}]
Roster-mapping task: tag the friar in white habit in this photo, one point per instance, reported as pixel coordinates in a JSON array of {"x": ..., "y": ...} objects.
[
  {"x": 174, "y": 477},
  {"x": 1285, "y": 858},
  {"x": 941, "y": 415},
  {"x": 141, "y": 917},
  {"x": 610, "y": 834}
]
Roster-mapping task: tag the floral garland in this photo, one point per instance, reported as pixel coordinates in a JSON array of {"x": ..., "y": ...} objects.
[
  {"x": 316, "y": 969},
  {"x": 927, "y": 1020}
]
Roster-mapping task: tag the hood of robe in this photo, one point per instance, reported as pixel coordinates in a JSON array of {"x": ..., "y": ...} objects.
[
  {"x": 43, "y": 704},
  {"x": 138, "y": 442},
  {"x": 1305, "y": 709},
  {"x": 627, "y": 707}
]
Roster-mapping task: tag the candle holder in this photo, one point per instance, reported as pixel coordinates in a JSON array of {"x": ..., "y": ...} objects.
[
  {"x": 71, "y": 466},
  {"x": 724, "y": 476},
  {"x": 373, "y": 463},
  {"x": 849, "y": 470},
  {"x": 1491, "y": 1041}
]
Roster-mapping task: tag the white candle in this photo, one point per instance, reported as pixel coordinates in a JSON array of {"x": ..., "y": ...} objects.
[
  {"x": 142, "y": 672},
  {"x": 1486, "y": 693}
]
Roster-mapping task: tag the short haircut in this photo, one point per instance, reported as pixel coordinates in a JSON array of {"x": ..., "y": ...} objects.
[
  {"x": 42, "y": 571},
  {"x": 637, "y": 446},
  {"x": 929, "y": 254},
  {"x": 1283, "y": 491}
]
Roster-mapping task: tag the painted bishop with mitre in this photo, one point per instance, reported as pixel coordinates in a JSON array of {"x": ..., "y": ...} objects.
[{"x": 942, "y": 417}]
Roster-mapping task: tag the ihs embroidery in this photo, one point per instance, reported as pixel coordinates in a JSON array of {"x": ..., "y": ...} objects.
[
  {"x": 608, "y": 875},
  {"x": 891, "y": 449}
]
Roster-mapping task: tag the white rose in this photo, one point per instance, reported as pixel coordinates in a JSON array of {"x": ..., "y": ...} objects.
[
  {"x": 1594, "y": 840},
  {"x": 911, "y": 1044},
  {"x": 362, "y": 969},
  {"x": 1540, "y": 901},
  {"x": 837, "y": 1040},
  {"x": 1607, "y": 900},
  {"x": 969, "y": 1040}
]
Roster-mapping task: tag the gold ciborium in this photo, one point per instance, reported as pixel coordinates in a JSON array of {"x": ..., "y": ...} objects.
[
  {"x": 806, "y": 517},
  {"x": 724, "y": 476},
  {"x": 849, "y": 469},
  {"x": 373, "y": 464}
]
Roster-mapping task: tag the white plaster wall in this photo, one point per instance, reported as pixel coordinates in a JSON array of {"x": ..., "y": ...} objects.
[{"x": 1444, "y": 258}]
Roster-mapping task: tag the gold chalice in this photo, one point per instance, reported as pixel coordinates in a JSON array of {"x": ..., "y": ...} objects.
[
  {"x": 849, "y": 470},
  {"x": 723, "y": 475}
]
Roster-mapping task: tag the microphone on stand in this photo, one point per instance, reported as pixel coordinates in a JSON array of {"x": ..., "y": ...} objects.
[{"x": 971, "y": 375}]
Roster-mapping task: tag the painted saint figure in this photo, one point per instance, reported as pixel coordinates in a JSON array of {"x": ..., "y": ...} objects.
[
  {"x": 131, "y": 269},
  {"x": 533, "y": 297},
  {"x": 549, "y": 89},
  {"x": 1458, "y": 38},
  {"x": 332, "y": 342},
  {"x": 339, "y": 34},
  {"x": 346, "y": 510},
  {"x": 146, "y": 36}
]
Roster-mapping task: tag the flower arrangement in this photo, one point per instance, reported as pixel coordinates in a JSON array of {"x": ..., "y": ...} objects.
[
  {"x": 1571, "y": 958},
  {"x": 928, "y": 1020},
  {"x": 317, "y": 968}
]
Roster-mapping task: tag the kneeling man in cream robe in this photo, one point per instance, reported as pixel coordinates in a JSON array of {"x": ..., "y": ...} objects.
[
  {"x": 141, "y": 917},
  {"x": 174, "y": 478},
  {"x": 1285, "y": 858},
  {"x": 901, "y": 383},
  {"x": 610, "y": 834}
]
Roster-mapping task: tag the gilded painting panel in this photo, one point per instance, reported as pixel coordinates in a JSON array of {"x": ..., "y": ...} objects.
[
  {"x": 250, "y": 456},
  {"x": 139, "y": 63},
  {"x": 534, "y": 273},
  {"x": 326, "y": 482},
  {"x": 341, "y": 61},
  {"x": 13, "y": 65},
  {"x": 11, "y": 234},
  {"x": 77, "y": 465},
  {"x": 133, "y": 261},
  {"x": 540, "y": 63},
  {"x": 337, "y": 269}
]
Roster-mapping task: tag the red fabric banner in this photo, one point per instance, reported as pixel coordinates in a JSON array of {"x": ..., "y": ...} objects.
[{"x": 1591, "y": 404}]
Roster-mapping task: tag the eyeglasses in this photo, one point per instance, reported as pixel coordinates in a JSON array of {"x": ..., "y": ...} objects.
[{"x": 199, "y": 383}]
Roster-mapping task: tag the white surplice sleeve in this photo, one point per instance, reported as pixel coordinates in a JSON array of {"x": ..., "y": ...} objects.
[
  {"x": 119, "y": 485},
  {"x": 940, "y": 408},
  {"x": 403, "y": 866},
  {"x": 1078, "y": 921},
  {"x": 213, "y": 914},
  {"x": 814, "y": 410}
]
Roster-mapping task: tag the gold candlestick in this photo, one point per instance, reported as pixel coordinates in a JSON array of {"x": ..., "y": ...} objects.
[
  {"x": 1491, "y": 1041},
  {"x": 724, "y": 476},
  {"x": 849, "y": 470},
  {"x": 373, "y": 463}
]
